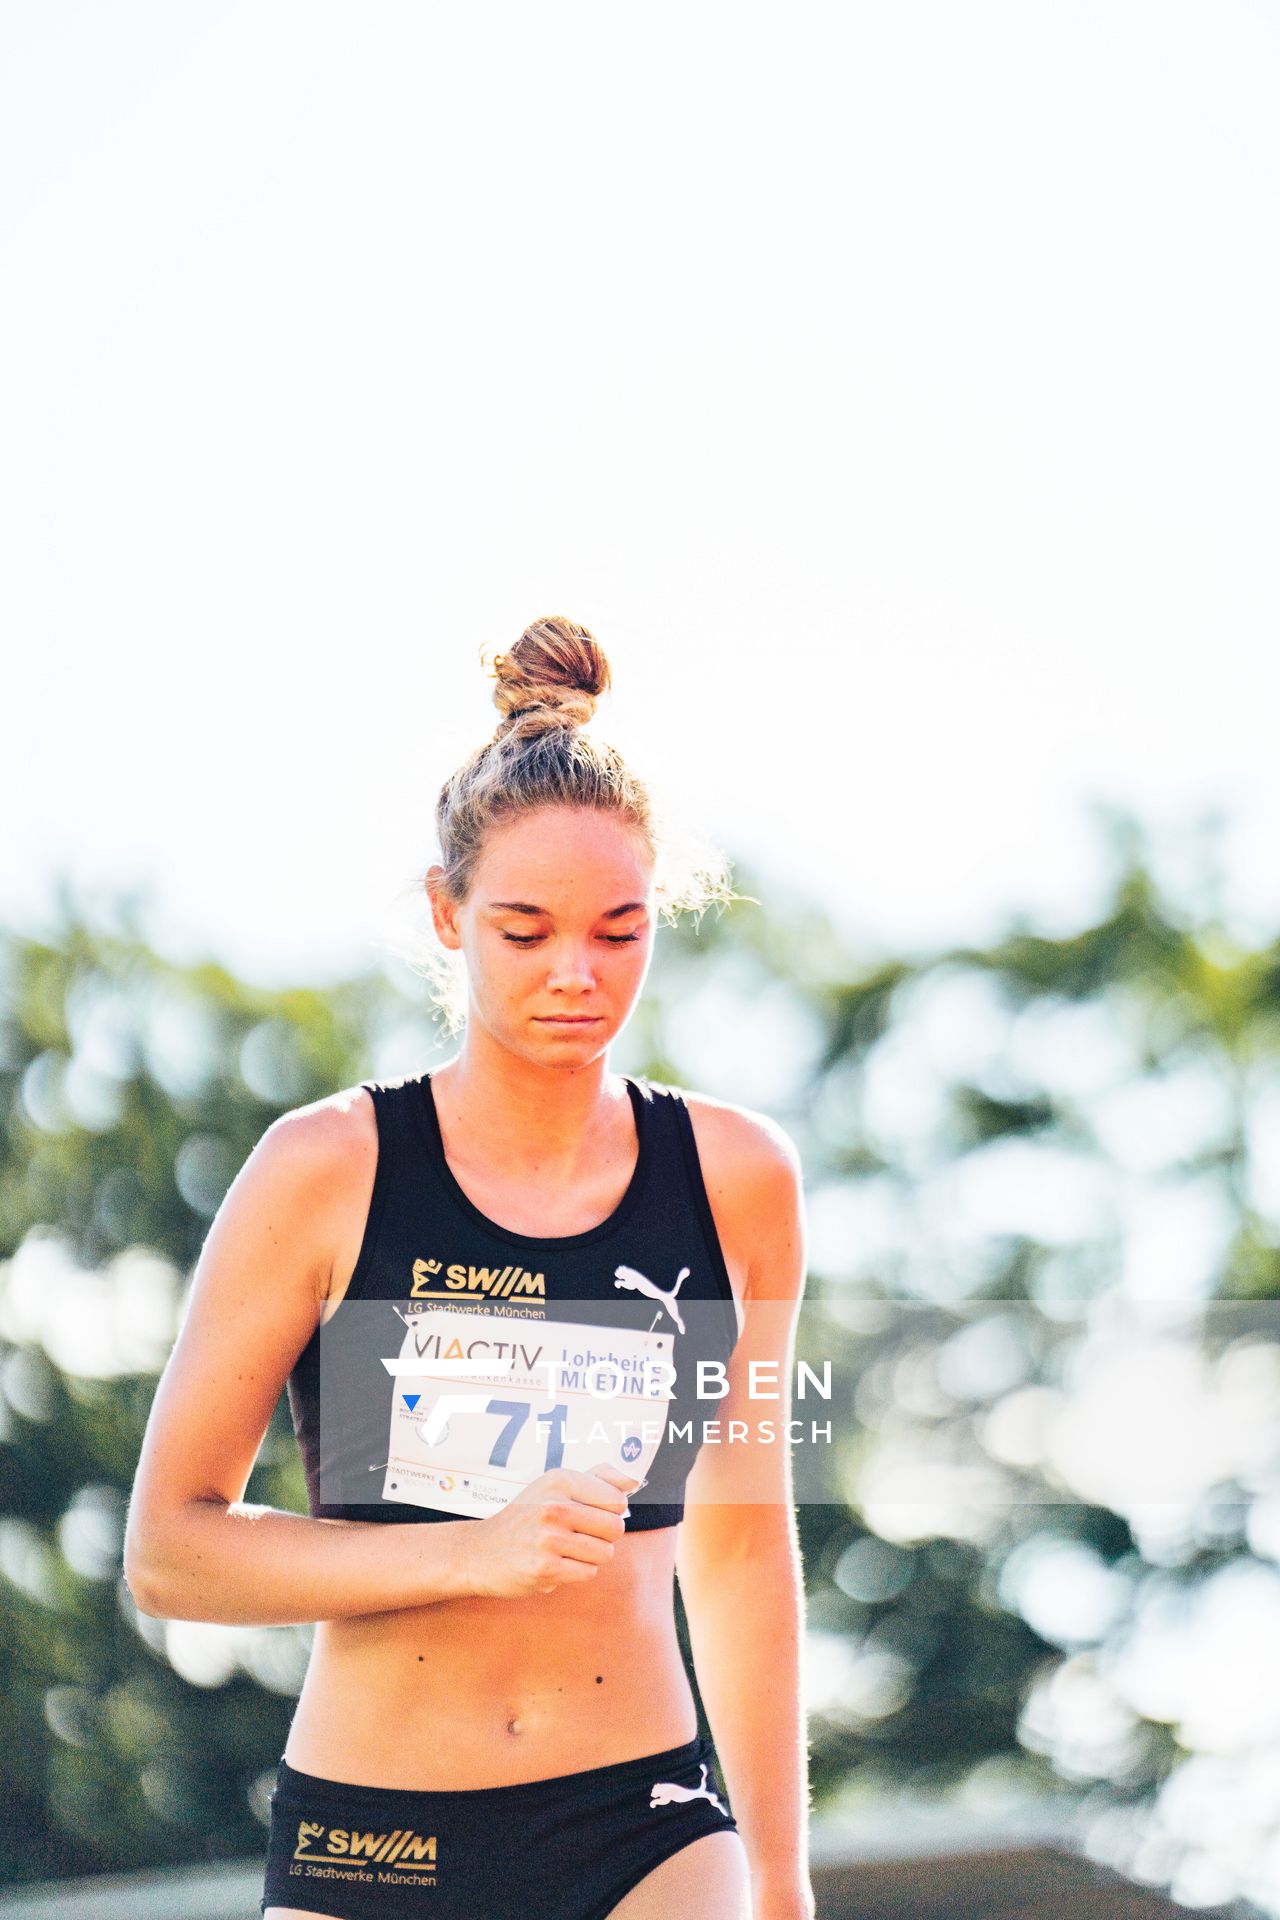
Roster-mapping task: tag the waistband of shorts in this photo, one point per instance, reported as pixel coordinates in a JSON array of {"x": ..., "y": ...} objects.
[{"x": 319, "y": 1787}]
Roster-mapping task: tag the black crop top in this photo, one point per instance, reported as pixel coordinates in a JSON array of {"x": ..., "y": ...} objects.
[{"x": 587, "y": 1345}]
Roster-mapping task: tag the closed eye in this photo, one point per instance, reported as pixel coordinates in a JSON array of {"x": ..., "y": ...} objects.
[{"x": 531, "y": 939}]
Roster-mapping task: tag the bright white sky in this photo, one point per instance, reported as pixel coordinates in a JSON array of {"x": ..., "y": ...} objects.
[{"x": 892, "y": 388}]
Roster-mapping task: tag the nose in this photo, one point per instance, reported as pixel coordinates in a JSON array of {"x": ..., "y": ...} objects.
[{"x": 571, "y": 971}]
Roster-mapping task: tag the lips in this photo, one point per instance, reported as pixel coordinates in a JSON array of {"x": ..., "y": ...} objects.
[{"x": 568, "y": 1019}]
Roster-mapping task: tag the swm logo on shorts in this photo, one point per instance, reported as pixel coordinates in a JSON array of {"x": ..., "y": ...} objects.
[{"x": 319, "y": 1845}]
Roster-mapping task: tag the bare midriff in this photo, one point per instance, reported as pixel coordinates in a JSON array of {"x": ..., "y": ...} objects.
[{"x": 481, "y": 1692}]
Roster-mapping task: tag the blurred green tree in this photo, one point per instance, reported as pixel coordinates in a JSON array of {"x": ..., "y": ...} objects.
[{"x": 1044, "y": 1214}]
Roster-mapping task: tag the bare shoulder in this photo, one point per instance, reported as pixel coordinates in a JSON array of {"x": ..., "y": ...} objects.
[
  {"x": 754, "y": 1179},
  {"x": 322, "y": 1142},
  {"x": 327, "y": 1129},
  {"x": 740, "y": 1146},
  {"x": 327, "y": 1151}
]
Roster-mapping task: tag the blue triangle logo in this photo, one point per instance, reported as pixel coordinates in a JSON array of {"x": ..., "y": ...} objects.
[{"x": 411, "y": 1400}]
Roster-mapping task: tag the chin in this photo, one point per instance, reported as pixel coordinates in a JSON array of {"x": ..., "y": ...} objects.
[{"x": 585, "y": 1042}]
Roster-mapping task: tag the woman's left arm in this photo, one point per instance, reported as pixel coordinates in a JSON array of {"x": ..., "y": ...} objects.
[{"x": 738, "y": 1552}]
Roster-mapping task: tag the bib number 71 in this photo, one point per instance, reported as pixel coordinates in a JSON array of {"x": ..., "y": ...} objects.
[{"x": 432, "y": 1428}]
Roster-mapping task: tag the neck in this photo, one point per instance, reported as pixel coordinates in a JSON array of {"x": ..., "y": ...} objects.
[{"x": 527, "y": 1114}]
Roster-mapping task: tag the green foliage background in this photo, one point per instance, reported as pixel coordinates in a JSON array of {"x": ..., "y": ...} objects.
[{"x": 131, "y": 1090}]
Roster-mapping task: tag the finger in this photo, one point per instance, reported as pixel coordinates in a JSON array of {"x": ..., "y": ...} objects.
[
  {"x": 566, "y": 1570},
  {"x": 592, "y": 1482},
  {"x": 584, "y": 1545},
  {"x": 601, "y": 1523}
]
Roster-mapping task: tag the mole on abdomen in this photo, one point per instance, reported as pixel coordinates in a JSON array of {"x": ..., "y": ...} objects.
[{"x": 599, "y": 1678}]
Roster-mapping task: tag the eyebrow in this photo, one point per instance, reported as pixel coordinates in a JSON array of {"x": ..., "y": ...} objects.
[{"x": 523, "y": 906}]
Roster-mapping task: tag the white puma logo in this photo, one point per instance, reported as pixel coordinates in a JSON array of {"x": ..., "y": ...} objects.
[
  {"x": 664, "y": 1793},
  {"x": 628, "y": 1277}
]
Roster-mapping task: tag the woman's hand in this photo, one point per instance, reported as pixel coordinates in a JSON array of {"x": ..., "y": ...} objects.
[{"x": 562, "y": 1527}]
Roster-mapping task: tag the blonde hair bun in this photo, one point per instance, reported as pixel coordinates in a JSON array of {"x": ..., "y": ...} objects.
[{"x": 552, "y": 677}]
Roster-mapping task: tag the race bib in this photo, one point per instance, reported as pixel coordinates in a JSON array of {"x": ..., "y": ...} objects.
[{"x": 484, "y": 1404}]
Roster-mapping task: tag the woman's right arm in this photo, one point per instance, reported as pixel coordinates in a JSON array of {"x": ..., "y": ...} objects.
[{"x": 193, "y": 1550}]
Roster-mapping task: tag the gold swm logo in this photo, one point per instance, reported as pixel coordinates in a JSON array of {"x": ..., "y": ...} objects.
[
  {"x": 400, "y": 1848},
  {"x": 433, "y": 1280}
]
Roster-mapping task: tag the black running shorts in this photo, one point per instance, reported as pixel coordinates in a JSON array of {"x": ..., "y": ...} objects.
[{"x": 565, "y": 1848}]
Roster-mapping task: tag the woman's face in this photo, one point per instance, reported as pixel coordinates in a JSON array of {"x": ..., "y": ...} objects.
[{"x": 557, "y": 931}]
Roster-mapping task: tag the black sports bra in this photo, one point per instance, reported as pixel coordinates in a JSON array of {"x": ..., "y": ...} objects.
[{"x": 464, "y": 1359}]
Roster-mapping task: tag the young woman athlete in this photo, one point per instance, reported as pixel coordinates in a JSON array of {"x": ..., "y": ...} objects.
[{"x": 496, "y": 1721}]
